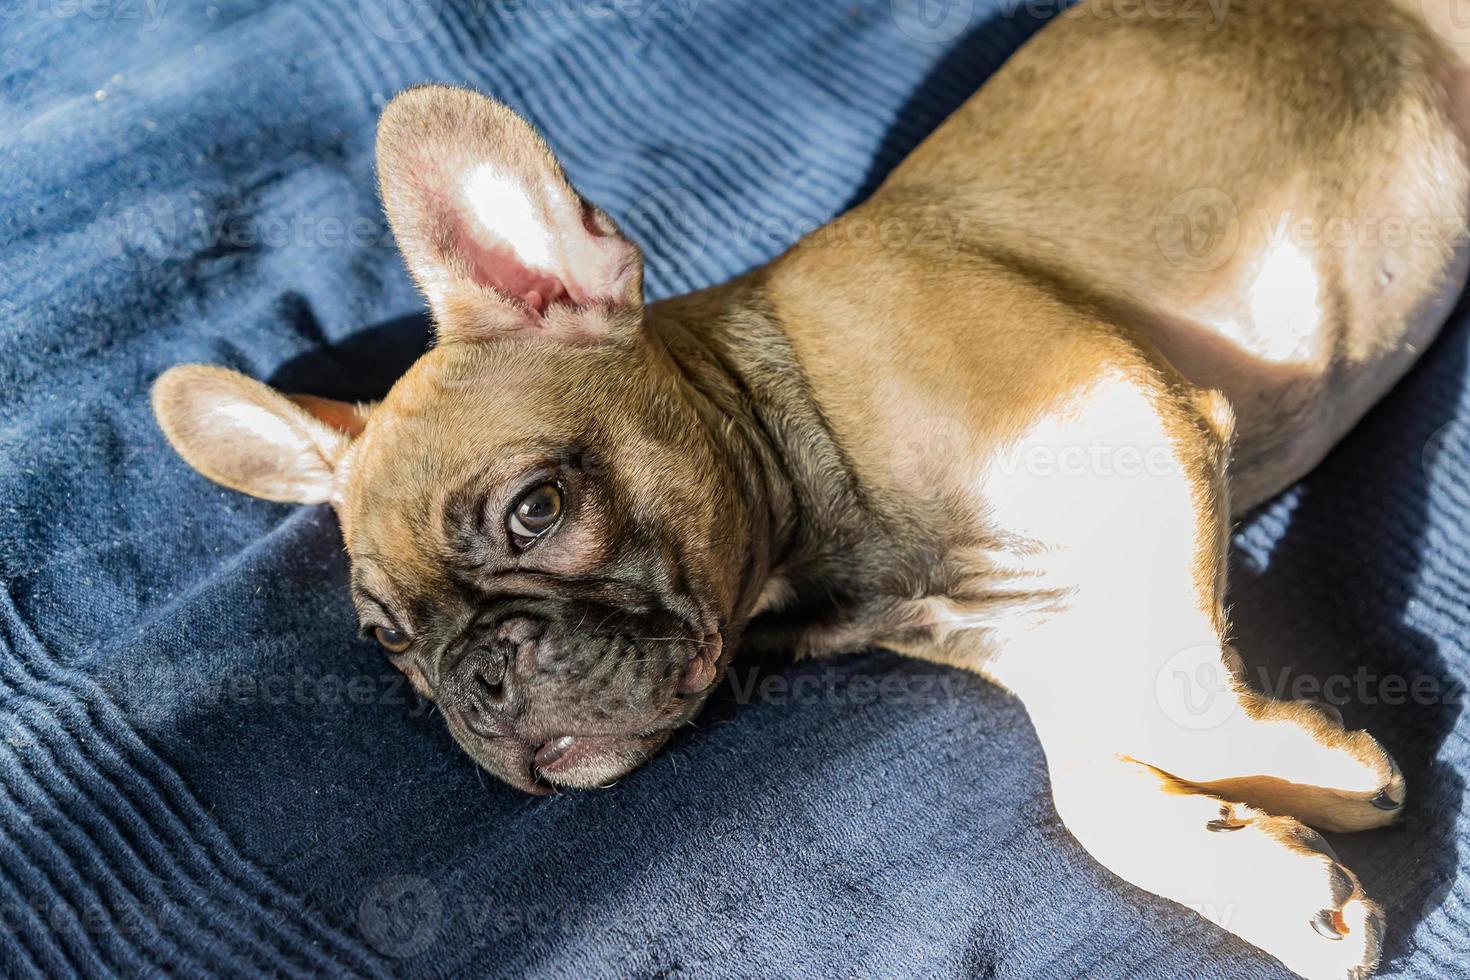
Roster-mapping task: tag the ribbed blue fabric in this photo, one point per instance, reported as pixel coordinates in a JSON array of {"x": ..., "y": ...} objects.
[{"x": 202, "y": 772}]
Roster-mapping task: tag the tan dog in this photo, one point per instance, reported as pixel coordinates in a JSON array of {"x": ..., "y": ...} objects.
[{"x": 567, "y": 514}]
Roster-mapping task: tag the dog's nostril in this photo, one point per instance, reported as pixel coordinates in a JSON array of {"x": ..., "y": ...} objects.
[
  {"x": 482, "y": 680},
  {"x": 493, "y": 691},
  {"x": 491, "y": 667}
]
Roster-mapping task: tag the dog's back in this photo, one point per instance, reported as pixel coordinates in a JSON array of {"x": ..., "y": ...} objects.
[{"x": 1274, "y": 196}]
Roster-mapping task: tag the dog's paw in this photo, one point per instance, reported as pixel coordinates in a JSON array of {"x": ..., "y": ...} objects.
[
  {"x": 1271, "y": 880},
  {"x": 1300, "y": 903},
  {"x": 1289, "y": 757}
]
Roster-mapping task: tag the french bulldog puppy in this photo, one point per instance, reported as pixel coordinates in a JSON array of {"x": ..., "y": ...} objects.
[{"x": 571, "y": 511}]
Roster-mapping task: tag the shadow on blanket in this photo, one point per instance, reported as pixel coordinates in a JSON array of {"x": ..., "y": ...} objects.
[
  {"x": 1339, "y": 612},
  {"x": 362, "y": 367}
]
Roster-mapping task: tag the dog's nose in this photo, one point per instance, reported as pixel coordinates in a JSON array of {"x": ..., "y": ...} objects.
[
  {"x": 484, "y": 692},
  {"x": 486, "y": 681}
]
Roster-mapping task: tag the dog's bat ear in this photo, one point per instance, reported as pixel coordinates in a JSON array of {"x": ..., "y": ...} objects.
[
  {"x": 492, "y": 231},
  {"x": 250, "y": 437}
]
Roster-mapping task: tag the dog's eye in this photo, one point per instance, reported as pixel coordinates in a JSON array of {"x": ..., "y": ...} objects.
[
  {"x": 534, "y": 514},
  {"x": 391, "y": 640}
]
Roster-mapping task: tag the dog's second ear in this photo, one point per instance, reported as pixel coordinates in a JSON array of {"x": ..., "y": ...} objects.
[
  {"x": 250, "y": 437},
  {"x": 492, "y": 231}
]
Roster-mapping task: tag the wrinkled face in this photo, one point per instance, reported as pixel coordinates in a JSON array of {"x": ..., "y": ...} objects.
[
  {"x": 536, "y": 539},
  {"x": 544, "y": 534}
]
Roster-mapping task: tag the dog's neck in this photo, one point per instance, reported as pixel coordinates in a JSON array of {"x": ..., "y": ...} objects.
[{"x": 807, "y": 509}]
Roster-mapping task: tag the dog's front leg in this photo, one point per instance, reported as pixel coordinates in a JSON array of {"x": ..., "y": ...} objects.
[
  {"x": 1266, "y": 878},
  {"x": 1164, "y": 765},
  {"x": 1152, "y": 775}
]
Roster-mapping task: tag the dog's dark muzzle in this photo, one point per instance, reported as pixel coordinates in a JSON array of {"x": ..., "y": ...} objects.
[{"x": 538, "y": 693}]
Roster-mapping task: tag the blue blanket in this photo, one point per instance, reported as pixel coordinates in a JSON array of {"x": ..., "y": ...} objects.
[{"x": 202, "y": 771}]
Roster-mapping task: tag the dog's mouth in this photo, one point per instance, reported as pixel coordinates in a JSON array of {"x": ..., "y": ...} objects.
[
  {"x": 590, "y": 761},
  {"x": 704, "y": 666},
  {"x": 593, "y": 761}
]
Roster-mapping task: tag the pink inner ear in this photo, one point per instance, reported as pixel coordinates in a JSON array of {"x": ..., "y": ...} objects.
[
  {"x": 589, "y": 262},
  {"x": 496, "y": 266},
  {"x": 602, "y": 263}
]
